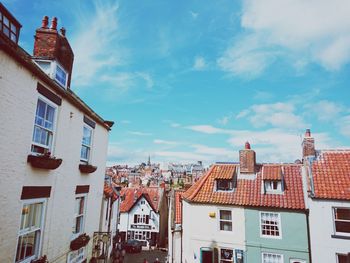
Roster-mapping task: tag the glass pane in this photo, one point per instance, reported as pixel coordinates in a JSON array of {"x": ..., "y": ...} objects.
[
  {"x": 226, "y": 254},
  {"x": 78, "y": 223},
  {"x": 84, "y": 153},
  {"x": 87, "y": 136},
  {"x": 224, "y": 214},
  {"x": 6, "y": 31},
  {"x": 342, "y": 213},
  {"x": 61, "y": 76},
  {"x": 13, "y": 37},
  {"x": 49, "y": 117},
  {"x": 81, "y": 206},
  {"x": 26, "y": 245},
  {"x": 13, "y": 28},
  {"x": 40, "y": 110},
  {"x": 342, "y": 259},
  {"x": 6, "y": 21},
  {"x": 24, "y": 217},
  {"x": 342, "y": 227},
  {"x": 226, "y": 226}
]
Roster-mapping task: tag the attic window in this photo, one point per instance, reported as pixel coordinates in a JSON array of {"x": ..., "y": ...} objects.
[
  {"x": 8, "y": 25},
  {"x": 273, "y": 186},
  {"x": 61, "y": 76},
  {"x": 224, "y": 185}
]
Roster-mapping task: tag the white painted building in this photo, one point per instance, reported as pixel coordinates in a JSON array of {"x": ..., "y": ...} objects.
[
  {"x": 203, "y": 237},
  {"x": 47, "y": 204},
  {"x": 328, "y": 199},
  {"x": 140, "y": 217}
]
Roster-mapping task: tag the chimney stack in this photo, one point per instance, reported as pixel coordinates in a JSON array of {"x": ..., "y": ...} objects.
[
  {"x": 308, "y": 145},
  {"x": 63, "y": 31},
  {"x": 247, "y": 159}
]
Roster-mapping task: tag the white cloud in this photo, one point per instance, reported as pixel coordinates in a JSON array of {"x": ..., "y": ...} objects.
[
  {"x": 124, "y": 81},
  {"x": 325, "y": 110},
  {"x": 206, "y": 129},
  {"x": 138, "y": 133},
  {"x": 344, "y": 125},
  {"x": 224, "y": 120},
  {"x": 92, "y": 44},
  {"x": 159, "y": 141},
  {"x": 242, "y": 114},
  {"x": 194, "y": 14},
  {"x": 199, "y": 63},
  {"x": 175, "y": 125},
  {"x": 301, "y": 31}
]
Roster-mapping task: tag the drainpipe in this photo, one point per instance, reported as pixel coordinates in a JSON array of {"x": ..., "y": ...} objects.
[{"x": 308, "y": 234}]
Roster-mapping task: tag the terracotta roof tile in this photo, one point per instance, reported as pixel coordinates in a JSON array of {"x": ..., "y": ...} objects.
[
  {"x": 131, "y": 195},
  {"x": 108, "y": 192},
  {"x": 331, "y": 175},
  {"x": 248, "y": 192},
  {"x": 272, "y": 172},
  {"x": 178, "y": 207}
]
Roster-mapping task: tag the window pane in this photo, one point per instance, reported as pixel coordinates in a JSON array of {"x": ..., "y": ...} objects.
[
  {"x": 84, "y": 153},
  {"x": 342, "y": 226},
  {"x": 342, "y": 258},
  {"x": 49, "y": 117},
  {"x": 226, "y": 226},
  {"x": 13, "y": 28},
  {"x": 6, "y": 21},
  {"x": 61, "y": 76},
  {"x": 40, "y": 112},
  {"x": 342, "y": 213},
  {"x": 81, "y": 206},
  {"x": 225, "y": 215},
  {"x": 78, "y": 224},
  {"x": 13, "y": 37},
  {"x": 87, "y": 136},
  {"x": 26, "y": 245},
  {"x": 226, "y": 255}
]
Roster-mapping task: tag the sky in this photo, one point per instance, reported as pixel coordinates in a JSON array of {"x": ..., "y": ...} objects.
[{"x": 193, "y": 80}]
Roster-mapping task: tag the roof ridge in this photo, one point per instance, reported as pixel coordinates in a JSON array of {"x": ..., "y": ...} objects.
[{"x": 199, "y": 186}]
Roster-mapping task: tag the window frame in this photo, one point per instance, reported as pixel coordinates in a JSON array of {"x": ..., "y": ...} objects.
[
  {"x": 224, "y": 220},
  {"x": 296, "y": 260},
  {"x": 270, "y": 253},
  {"x": 270, "y": 183},
  {"x": 334, "y": 220},
  {"x": 230, "y": 182},
  {"x": 88, "y": 160},
  {"x": 20, "y": 232},
  {"x": 49, "y": 148},
  {"x": 337, "y": 256},
  {"x": 279, "y": 225},
  {"x": 82, "y": 224},
  {"x": 54, "y": 74},
  {"x": 9, "y": 27}
]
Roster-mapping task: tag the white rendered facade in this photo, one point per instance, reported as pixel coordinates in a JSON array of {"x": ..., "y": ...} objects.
[
  {"x": 141, "y": 222},
  {"x": 201, "y": 230},
  {"x": 18, "y": 103}
]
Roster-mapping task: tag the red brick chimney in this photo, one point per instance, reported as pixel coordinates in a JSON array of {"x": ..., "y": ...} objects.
[
  {"x": 49, "y": 44},
  {"x": 308, "y": 144},
  {"x": 247, "y": 159}
]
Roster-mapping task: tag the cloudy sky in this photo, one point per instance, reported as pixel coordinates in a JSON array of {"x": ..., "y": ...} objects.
[{"x": 191, "y": 80}]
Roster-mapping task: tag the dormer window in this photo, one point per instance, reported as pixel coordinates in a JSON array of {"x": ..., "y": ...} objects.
[
  {"x": 9, "y": 26},
  {"x": 273, "y": 186},
  {"x": 61, "y": 76},
  {"x": 224, "y": 185}
]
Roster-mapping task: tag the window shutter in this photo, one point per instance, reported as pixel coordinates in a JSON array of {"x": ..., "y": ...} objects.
[{"x": 216, "y": 255}]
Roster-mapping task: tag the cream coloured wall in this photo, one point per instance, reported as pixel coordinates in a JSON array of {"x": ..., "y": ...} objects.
[
  {"x": 202, "y": 231},
  {"x": 18, "y": 99}
]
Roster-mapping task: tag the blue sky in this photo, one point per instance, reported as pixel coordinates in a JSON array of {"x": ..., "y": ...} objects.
[{"x": 191, "y": 80}]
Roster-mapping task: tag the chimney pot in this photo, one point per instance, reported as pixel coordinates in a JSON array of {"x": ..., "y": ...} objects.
[
  {"x": 54, "y": 23},
  {"x": 247, "y": 146},
  {"x": 63, "y": 31},
  {"x": 307, "y": 133},
  {"x": 247, "y": 160},
  {"x": 45, "y": 22}
]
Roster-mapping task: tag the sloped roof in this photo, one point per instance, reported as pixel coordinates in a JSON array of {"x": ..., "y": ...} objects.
[
  {"x": 248, "y": 191},
  {"x": 331, "y": 175},
  {"x": 178, "y": 207},
  {"x": 133, "y": 195},
  {"x": 108, "y": 192},
  {"x": 272, "y": 172}
]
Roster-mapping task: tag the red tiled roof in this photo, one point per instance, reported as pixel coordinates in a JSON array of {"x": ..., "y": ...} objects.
[
  {"x": 132, "y": 195},
  {"x": 108, "y": 192},
  {"x": 178, "y": 207},
  {"x": 331, "y": 175},
  {"x": 272, "y": 172},
  {"x": 248, "y": 191}
]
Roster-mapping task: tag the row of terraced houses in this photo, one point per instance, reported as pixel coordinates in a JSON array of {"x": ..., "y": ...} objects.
[
  {"x": 261, "y": 212},
  {"x": 53, "y": 152}
]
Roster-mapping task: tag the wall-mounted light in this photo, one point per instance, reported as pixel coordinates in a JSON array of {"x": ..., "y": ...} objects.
[{"x": 212, "y": 214}]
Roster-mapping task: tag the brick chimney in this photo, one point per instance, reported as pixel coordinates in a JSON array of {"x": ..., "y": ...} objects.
[
  {"x": 308, "y": 145},
  {"x": 247, "y": 160},
  {"x": 51, "y": 45}
]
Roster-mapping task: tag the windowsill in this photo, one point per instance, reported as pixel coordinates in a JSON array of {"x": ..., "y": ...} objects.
[
  {"x": 271, "y": 237},
  {"x": 225, "y": 191},
  {"x": 340, "y": 236}
]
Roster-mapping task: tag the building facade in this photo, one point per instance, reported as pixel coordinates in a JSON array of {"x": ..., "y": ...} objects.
[
  {"x": 54, "y": 147},
  {"x": 328, "y": 198},
  {"x": 248, "y": 212}
]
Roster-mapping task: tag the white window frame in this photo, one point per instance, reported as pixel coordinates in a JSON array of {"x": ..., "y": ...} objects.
[
  {"x": 79, "y": 255},
  {"x": 85, "y": 145},
  {"x": 224, "y": 220},
  {"x": 57, "y": 65},
  {"x": 230, "y": 181},
  {"x": 82, "y": 226},
  {"x": 279, "y": 225},
  {"x": 49, "y": 148},
  {"x": 225, "y": 260},
  {"x": 271, "y": 253},
  {"x": 334, "y": 227},
  {"x": 41, "y": 229},
  {"x": 268, "y": 184}
]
